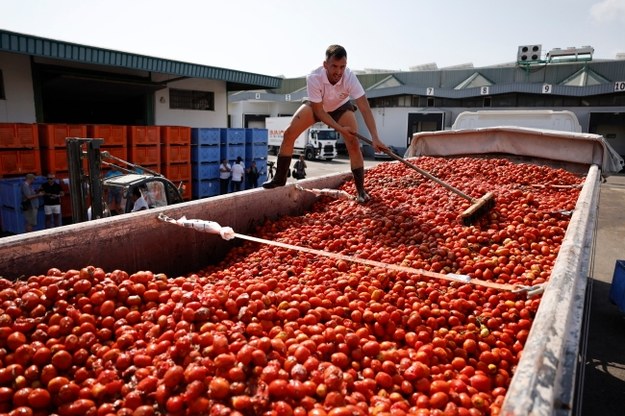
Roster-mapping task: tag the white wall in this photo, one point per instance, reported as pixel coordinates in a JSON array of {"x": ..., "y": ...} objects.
[
  {"x": 238, "y": 109},
  {"x": 164, "y": 116},
  {"x": 19, "y": 105},
  {"x": 392, "y": 125}
]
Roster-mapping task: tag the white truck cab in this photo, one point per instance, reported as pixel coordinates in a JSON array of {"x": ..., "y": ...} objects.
[{"x": 316, "y": 142}]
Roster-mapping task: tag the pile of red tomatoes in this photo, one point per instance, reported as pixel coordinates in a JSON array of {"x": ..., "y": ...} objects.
[{"x": 272, "y": 331}]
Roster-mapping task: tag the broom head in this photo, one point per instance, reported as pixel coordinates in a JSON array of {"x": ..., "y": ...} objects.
[{"x": 478, "y": 209}]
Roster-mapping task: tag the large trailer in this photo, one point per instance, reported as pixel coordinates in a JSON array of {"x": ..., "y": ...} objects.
[{"x": 543, "y": 382}]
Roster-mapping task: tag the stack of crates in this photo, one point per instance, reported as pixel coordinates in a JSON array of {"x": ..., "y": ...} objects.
[
  {"x": 256, "y": 142},
  {"x": 19, "y": 149},
  {"x": 205, "y": 161},
  {"x": 144, "y": 146},
  {"x": 115, "y": 138},
  {"x": 52, "y": 140},
  {"x": 176, "y": 156},
  {"x": 12, "y": 217},
  {"x": 233, "y": 145},
  {"x": 19, "y": 154}
]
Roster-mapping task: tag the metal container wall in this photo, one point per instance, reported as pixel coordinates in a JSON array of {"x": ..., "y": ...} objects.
[
  {"x": 544, "y": 381},
  {"x": 140, "y": 241}
]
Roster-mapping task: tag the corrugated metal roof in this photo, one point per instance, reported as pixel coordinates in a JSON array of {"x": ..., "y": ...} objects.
[
  {"x": 66, "y": 51},
  {"x": 504, "y": 79}
]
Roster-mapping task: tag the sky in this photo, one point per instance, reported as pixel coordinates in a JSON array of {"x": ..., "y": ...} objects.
[{"x": 289, "y": 37}]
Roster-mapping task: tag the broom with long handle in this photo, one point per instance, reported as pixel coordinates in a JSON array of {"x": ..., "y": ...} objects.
[{"x": 479, "y": 206}]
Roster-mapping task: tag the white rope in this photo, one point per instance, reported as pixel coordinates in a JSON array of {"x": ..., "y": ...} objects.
[{"x": 227, "y": 233}]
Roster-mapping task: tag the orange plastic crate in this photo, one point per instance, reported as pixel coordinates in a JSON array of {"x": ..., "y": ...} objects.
[
  {"x": 54, "y": 135},
  {"x": 176, "y": 171},
  {"x": 20, "y": 162},
  {"x": 18, "y": 135},
  {"x": 175, "y": 154},
  {"x": 145, "y": 155},
  {"x": 54, "y": 160},
  {"x": 113, "y": 135},
  {"x": 144, "y": 135},
  {"x": 120, "y": 152},
  {"x": 176, "y": 135}
]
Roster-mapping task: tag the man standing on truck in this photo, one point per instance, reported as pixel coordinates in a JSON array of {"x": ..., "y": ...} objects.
[{"x": 329, "y": 89}]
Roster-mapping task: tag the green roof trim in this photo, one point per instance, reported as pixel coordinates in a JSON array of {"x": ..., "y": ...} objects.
[{"x": 54, "y": 49}]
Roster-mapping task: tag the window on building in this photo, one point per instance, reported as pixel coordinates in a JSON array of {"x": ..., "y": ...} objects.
[
  {"x": 404, "y": 101},
  {"x": 191, "y": 100},
  {"x": 2, "y": 97}
]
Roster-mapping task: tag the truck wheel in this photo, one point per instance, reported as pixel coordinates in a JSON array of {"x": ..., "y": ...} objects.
[{"x": 309, "y": 154}]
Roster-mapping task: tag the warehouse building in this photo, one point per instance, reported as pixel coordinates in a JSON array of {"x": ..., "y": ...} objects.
[
  {"x": 155, "y": 113},
  {"x": 429, "y": 98},
  {"x": 49, "y": 81}
]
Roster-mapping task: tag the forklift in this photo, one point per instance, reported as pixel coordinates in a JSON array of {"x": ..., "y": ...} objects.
[{"x": 90, "y": 191}]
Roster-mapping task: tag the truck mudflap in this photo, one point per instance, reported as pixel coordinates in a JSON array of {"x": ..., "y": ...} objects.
[{"x": 544, "y": 382}]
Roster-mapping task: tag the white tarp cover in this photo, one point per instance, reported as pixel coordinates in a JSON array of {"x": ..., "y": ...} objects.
[{"x": 581, "y": 148}]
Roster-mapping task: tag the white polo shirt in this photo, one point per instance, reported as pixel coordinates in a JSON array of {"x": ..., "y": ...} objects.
[{"x": 320, "y": 90}]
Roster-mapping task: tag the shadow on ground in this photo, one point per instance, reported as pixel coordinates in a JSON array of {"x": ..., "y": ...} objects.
[{"x": 604, "y": 378}]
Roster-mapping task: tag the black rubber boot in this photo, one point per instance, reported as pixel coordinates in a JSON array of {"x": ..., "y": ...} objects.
[
  {"x": 359, "y": 181},
  {"x": 282, "y": 168}
]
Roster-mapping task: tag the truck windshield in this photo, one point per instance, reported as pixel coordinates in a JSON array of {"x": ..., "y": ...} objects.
[{"x": 327, "y": 135}]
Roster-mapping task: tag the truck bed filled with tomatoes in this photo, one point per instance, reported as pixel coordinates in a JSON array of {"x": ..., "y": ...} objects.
[{"x": 273, "y": 331}]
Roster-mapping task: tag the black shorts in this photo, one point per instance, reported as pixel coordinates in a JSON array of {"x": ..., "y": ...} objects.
[{"x": 336, "y": 114}]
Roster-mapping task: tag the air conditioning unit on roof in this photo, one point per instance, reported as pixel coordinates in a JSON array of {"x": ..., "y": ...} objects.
[{"x": 529, "y": 53}]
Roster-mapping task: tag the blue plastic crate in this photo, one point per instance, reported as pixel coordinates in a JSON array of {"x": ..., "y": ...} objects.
[
  {"x": 205, "y": 188},
  {"x": 231, "y": 152},
  {"x": 13, "y": 220},
  {"x": 617, "y": 288},
  {"x": 202, "y": 154},
  {"x": 11, "y": 190},
  {"x": 202, "y": 171},
  {"x": 260, "y": 136},
  {"x": 256, "y": 151},
  {"x": 232, "y": 136},
  {"x": 205, "y": 136}
]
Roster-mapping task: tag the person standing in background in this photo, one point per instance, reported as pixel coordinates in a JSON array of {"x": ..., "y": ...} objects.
[
  {"x": 224, "y": 176},
  {"x": 238, "y": 172},
  {"x": 52, "y": 193},
  {"x": 299, "y": 168},
  {"x": 252, "y": 175},
  {"x": 30, "y": 202}
]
